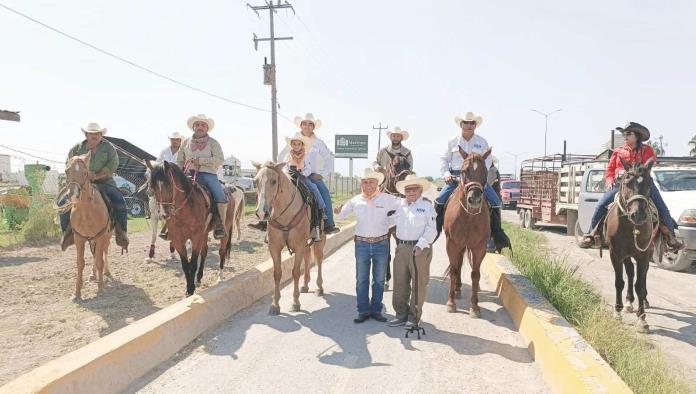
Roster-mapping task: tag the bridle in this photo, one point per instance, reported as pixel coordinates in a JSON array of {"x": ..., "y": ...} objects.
[
  {"x": 273, "y": 221},
  {"x": 652, "y": 217},
  {"x": 69, "y": 205},
  {"x": 466, "y": 187},
  {"x": 175, "y": 209}
]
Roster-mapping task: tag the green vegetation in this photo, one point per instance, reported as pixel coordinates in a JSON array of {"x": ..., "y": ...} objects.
[{"x": 631, "y": 356}]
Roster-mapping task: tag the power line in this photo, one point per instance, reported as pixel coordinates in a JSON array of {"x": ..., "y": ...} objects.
[
  {"x": 30, "y": 155},
  {"x": 133, "y": 64}
]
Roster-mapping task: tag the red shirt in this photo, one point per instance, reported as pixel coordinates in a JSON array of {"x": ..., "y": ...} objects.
[{"x": 631, "y": 156}]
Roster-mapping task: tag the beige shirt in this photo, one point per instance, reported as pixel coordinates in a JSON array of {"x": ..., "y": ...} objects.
[{"x": 210, "y": 158}]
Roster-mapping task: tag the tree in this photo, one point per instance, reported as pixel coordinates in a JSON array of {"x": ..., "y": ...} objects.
[
  {"x": 429, "y": 178},
  {"x": 657, "y": 148},
  {"x": 692, "y": 152}
]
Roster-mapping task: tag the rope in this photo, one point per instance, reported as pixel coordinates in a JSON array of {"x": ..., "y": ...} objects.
[{"x": 653, "y": 218}]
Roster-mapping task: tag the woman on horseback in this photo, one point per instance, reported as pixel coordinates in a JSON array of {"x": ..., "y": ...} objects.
[{"x": 633, "y": 150}]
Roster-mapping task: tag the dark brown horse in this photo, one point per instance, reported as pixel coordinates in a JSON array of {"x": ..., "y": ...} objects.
[
  {"x": 186, "y": 208},
  {"x": 398, "y": 169},
  {"x": 467, "y": 227},
  {"x": 630, "y": 228}
]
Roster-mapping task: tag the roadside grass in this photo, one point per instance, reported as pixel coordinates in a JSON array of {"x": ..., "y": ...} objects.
[
  {"x": 138, "y": 225},
  {"x": 635, "y": 360}
]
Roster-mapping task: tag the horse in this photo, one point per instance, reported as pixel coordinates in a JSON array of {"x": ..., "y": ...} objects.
[
  {"x": 288, "y": 226},
  {"x": 467, "y": 228},
  {"x": 186, "y": 208},
  {"x": 630, "y": 227},
  {"x": 398, "y": 169},
  {"x": 89, "y": 219}
]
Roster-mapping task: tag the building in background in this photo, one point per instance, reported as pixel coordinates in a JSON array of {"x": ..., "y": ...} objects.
[{"x": 5, "y": 168}]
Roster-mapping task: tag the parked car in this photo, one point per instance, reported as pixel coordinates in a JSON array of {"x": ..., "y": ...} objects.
[
  {"x": 510, "y": 193},
  {"x": 126, "y": 187}
]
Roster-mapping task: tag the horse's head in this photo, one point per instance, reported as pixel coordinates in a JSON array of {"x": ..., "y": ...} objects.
[
  {"x": 165, "y": 179},
  {"x": 473, "y": 177},
  {"x": 77, "y": 175},
  {"x": 268, "y": 181},
  {"x": 635, "y": 190}
]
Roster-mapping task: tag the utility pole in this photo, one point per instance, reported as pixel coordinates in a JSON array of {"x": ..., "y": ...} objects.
[
  {"x": 379, "y": 136},
  {"x": 546, "y": 123},
  {"x": 516, "y": 155},
  {"x": 271, "y": 71}
]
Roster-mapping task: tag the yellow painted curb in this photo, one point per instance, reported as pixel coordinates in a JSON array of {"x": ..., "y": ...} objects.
[
  {"x": 568, "y": 363},
  {"x": 111, "y": 363}
]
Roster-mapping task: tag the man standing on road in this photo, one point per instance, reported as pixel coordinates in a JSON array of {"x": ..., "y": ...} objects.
[
  {"x": 371, "y": 242},
  {"x": 415, "y": 231}
]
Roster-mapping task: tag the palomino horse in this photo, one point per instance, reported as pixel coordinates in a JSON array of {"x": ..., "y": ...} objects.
[
  {"x": 630, "y": 228},
  {"x": 186, "y": 208},
  {"x": 89, "y": 219},
  {"x": 467, "y": 228},
  {"x": 288, "y": 225},
  {"x": 397, "y": 171}
]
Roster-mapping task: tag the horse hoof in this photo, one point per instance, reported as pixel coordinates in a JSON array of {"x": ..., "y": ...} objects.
[
  {"x": 76, "y": 298},
  {"x": 304, "y": 289},
  {"x": 451, "y": 308},
  {"x": 458, "y": 294},
  {"x": 474, "y": 313},
  {"x": 642, "y": 327},
  {"x": 646, "y": 304},
  {"x": 296, "y": 307},
  {"x": 629, "y": 308},
  {"x": 274, "y": 310},
  {"x": 617, "y": 315},
  {"x": 319, "y": 292},
  {"x": 149, "y": 260}
]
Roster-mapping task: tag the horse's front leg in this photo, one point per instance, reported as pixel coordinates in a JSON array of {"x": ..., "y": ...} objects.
[
  {"x": 307, "y": 268},
  {"x": 630, "y": 274},
  {"x": 80, "y": 248},
  {"x": 154, "y": 219},
  {"x": 277, "y": 274},
  {"x": 186, "y": 266},
  {"x": 455, "y": 262},
  {"x": 201, "y": 262},
  {"x": 617, "y": 263},
  {"x": 643, "y": 263},
  {"x": 297, "y": 264},
  {"x": 319, "y": 258},
  {"x": 477, "y": 256},
  {"x": 99, "y": 263}
]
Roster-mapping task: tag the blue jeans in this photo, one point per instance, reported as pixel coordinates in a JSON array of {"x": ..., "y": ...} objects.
[
  {"x": 315, "y": 191},
  {"x": 214, "y": 186},
  {"x": 118, "y": 203},
  {"x": 655, "y": 196},
  {"x": 326, "y": 196},
  {"x": 370, "y": 256},
  {"x": 488, "y": 191}
]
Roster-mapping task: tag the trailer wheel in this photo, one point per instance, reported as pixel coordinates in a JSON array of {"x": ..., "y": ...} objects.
[
  {"x": 521, "y": 214},
  {"x": 528, "y": 219}
]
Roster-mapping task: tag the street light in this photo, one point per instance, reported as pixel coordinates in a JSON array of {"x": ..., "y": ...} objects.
[
  {"x": 546, "y": 123},
  {"x": 516, "y": 156}
]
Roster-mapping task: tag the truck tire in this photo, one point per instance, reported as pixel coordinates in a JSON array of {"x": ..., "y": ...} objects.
[
  {"x": 578, "y": 234},
  {"x": 529, "y": 220},
  {"x": 571, "y": 221},
  {"x": 521, "y": 214},
  {"x": 669, "y": 261}
]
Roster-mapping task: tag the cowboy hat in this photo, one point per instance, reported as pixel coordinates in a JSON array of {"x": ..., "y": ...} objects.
[
  {"x": 412, "y": 180},
  {"x": 397, "y": 130},
  {"x": 175, "y": 136},
  {"x": 637, "y": 128},
  {"x": 200, "y": 118},
  {"x": 307, "y": 118},
  {"x": 369, "y": 173},
  {"x": 469, "y": 117},
  {"x": 94, "y": 127},
  {"x": 300, "y": 137}
]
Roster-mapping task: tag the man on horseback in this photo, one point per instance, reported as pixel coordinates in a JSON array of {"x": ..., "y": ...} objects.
[
  {"x": 203, "y": 154},
  {"x": 103, "y": 162},
  {"x": 451, "y": 163},
  {"x": 169, "y": 153},
  {"x": 383, "y": 162},
  {"x": 633, "y": 150}
]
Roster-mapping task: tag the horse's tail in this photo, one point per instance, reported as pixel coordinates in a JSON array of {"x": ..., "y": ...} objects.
[{"x": 228, "y": 247}]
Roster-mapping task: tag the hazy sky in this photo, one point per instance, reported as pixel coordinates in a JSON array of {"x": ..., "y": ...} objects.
[{"x": 413, "y": 64}]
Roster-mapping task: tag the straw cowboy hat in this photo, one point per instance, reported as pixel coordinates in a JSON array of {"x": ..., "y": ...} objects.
[
  {"x": 94, "y": 128},
  {"x": 200, "y": 118},
  {"x": 307, "y": 118},
  {"x": 369, "y": 173},
  {"x": 412, "y": 180},
  {"x": 397, "y": 130},
  {"x": 469, "y": 117},
  {"x": 175, "y": 136},
  {"x": 299, "y": 137},
  {"x": 637, "y": 128}
]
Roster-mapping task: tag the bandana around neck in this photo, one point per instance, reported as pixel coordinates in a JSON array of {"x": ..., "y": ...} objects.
[
  {"x": 371, "y": 197},
  {"x": 199, "y": 143},
  {"x": 297, "y": 159}
]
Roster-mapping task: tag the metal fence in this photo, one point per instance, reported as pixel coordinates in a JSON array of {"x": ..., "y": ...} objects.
[{"x": 343, "y": 185}]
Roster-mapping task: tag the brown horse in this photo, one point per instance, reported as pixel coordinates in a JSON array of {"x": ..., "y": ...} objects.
[
  {"x": 397, "y": 171},
  {"x": 90, "y": 221},
  {"x": 630, "y": 228},
  {"x": 186, "y": 208},
  {"x": 467, "y": 227},
  {"x": 288, "y": 226}
]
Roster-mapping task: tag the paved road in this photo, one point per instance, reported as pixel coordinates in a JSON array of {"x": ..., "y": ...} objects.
[
  {"x": 672, "y": 297},
  {"x": 320, "y": 349}
]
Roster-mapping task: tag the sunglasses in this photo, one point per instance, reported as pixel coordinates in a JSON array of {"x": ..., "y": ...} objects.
[
  {"x": 412, "y": 189},
  {"x": 468, "y": 123}
]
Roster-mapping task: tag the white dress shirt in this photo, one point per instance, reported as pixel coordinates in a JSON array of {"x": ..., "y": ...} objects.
[
  {"x": 415, "y": 222},
  {"x": 372, "y": 215},
  {"x": 453, "y": 160},
  {"x": 319, "y": 156},
  {"x": 167, "y": 155}
]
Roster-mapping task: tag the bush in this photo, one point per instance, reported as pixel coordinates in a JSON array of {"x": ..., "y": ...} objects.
[
  {"x": 15, "y": 207},
  {"x": 41, "y": 222}
]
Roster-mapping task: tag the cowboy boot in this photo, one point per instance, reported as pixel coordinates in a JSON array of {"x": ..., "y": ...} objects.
[
  {"x": 500, "y": 239},
  {"x": 67, "y": 239},
  {"x": 122, "y": 228},
  {"x": 590, "y": 239},
  {"x": 219, "y": 232},
  {"x": 673, "y": 243}
]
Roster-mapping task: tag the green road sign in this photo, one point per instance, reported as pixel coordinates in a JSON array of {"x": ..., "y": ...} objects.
[{"x": 348, "y": 145}]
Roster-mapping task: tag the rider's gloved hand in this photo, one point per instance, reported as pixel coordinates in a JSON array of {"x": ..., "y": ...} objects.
[{"x": 293, "y": 172}]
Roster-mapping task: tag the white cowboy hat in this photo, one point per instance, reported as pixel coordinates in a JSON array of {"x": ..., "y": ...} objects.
[
  {"x": 369, "y": 173},
  {"x": 412, "y": 180},
  {"x": 200, "y": 118},
  {"x": 397, "y": 130},
  {"x": 300, "y": 137},
  {"x": 307, "y": 118},
  {"x": 175, "y": 136},
  {"x": 469, "y": 117},
  {"x": 94, "y": 127}
]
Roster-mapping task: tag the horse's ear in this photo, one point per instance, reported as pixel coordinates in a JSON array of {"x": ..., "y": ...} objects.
[
  {"x": 487, "y": 153},
  {"x": 626, "y": 165},
  {"x": 166, "y": 165},
  {"x": 390, "y": 155},
  {"x": 256, "y": 165},
  {"x": 148, "y": 165},
  {"x": 280, "y": 166},
  {"x": 462, "y": 153}
]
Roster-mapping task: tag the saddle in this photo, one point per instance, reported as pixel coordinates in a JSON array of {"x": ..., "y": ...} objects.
[
  {"x": 109, "y": 206},
  {"x": 308, "y": 198}
]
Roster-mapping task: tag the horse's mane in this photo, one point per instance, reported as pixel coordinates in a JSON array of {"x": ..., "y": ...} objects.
[{"x": 159, "y": 174}]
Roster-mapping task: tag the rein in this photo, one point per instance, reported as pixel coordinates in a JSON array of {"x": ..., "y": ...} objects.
[
  {"x": 285, "y": 229},
  {"x": 465, "y": 189},
  {"x": 69, "y": 205},
  {"x": 173, "y": 202},
  {"x": 653, "y": 217}
]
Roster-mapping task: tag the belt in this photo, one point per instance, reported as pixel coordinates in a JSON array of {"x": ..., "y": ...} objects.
[
  {"x": 404, "y": 242},
  {"x": 371, "y": 240}
]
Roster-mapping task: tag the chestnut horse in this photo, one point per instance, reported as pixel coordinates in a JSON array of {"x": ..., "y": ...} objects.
[
  {"x": 397, "y": 171},
  {"x": 467, "y": 227},
  {"x": 630, "y": 228},
  {"x": 186, "y": 208},
  {"x": 288, "y": 226},
  {"x": 90, "y": 221}
]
